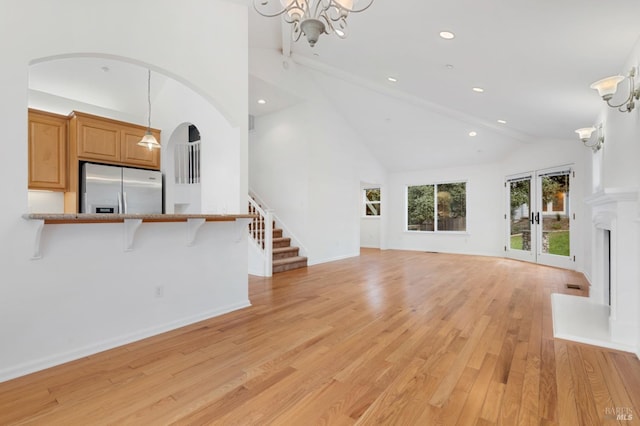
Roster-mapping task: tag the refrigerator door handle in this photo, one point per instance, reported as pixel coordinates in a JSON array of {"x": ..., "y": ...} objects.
[
  {"x": 119, "y": 203},
  {"x": 124, "y": 201}
]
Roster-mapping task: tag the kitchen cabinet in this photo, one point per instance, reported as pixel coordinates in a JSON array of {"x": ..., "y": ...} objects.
[
  {"x": 135, "y": 155},
  {"x": 47, "y": 151},
  {"x": 110, "y": 141}
]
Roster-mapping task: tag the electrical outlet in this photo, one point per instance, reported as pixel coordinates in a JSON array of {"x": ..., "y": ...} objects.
[{"x": 159, "y": 291}]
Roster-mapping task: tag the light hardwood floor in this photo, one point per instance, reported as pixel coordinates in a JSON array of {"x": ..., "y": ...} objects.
[{"x": 391, "y": 337}]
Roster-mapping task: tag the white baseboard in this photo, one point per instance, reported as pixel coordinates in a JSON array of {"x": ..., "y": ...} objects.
[
  {"x": 333, "y": 259},
  {"x": 61, "y": 358}
]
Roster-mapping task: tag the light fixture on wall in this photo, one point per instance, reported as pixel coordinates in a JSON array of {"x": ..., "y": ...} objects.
[
  {"x": 585, "y": 136},
  {"x": 607, "y": 87},
  {"x": 148, "y": 140},
  {"x": 312, "y": 17}
]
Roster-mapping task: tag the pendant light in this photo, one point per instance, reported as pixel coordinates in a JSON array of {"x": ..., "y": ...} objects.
[{"x": 148, "y": 140}]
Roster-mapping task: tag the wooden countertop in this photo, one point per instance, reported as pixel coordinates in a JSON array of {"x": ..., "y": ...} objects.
[{"x": 117, "y": 218}]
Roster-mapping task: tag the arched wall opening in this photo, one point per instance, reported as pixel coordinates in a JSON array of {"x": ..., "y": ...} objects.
[
  {"x": 116, "y": 87},
  {"x": 183, "y": 193}
]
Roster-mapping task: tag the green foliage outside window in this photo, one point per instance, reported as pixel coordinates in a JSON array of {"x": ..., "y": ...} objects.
[
  {"x": 420, "y": 203},
  {"x": 372, "y": 201},
  {"x": 450, "y": 204}
]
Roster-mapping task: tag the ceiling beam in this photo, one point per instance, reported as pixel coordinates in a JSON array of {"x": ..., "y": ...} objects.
[{"x": 415, "y": 100}]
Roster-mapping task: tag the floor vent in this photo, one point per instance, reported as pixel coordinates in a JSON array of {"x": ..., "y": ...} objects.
[{"x": 573, "y": 286}]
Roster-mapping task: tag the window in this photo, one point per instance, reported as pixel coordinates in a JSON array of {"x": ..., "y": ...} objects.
[
  {"x": 371, "y": 201},
  {"x": 439, "y": 207}
]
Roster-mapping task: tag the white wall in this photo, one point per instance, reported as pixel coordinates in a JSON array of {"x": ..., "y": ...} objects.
[
  {"x": 32, "y": 327},
  {"x": 63, "y": 106},
  {"x": 301, "y": 161},
  {"x": 616, "y": 167},
  {"x": 370, "y": 232},
  {"x": 484, "y": 212},
  {"x": 307, "y": 163},
  {"x": 220, "y": 152},
  {"x": 486, "y": 200},
  {"x": 45, "y": 201}
]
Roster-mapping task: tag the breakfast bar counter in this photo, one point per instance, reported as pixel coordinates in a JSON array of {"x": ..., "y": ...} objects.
[
  {"x": 115, "y": 218},
  {"x": 131, "y": 223}
]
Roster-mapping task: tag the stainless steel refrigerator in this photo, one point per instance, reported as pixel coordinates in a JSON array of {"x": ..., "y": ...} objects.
[{"x": 115, "y": 189}]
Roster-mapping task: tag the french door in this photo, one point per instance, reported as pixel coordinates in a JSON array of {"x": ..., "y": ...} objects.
[{"x": 539, "y": 217}]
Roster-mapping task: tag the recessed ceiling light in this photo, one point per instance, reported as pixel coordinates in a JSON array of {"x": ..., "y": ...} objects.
[
  {"x": 262, "y": 101},
  {"x": 447, "y": 35},
  {"x": 472, "y": 134},
  {"x": 392, "y": 79},
  {"x": 478, "y": 89},
  {"x": 502, "y": 122}
]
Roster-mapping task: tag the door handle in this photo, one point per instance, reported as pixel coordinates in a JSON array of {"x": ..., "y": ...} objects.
[
  {"x": 124, "y": 200},
  {"x": 119, "y": 203},
  {"x": 533, "y": 220},
  {"x": 537, "y": 218}
]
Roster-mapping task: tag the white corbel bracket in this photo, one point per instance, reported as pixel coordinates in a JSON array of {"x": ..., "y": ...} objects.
[
  {"x": 193, "y": 226},
  {"x": 242, "y": 228},
  {"x": 130, "y": 228},
  {"x": 36, "y": 227}
]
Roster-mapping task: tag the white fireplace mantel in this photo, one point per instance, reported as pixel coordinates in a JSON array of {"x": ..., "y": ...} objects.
[
  {"x": 612, "y": 195},
  {"x": 615, "y": 277}
]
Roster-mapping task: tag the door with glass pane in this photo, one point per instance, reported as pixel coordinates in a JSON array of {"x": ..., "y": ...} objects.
[
  {"x": 521, "y": 241},
  {"x": 554, "y": 217},
  {"x": 539, "y": 217}
]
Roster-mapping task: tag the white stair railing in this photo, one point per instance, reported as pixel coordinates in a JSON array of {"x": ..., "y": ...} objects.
[
  {"x": 261, "y": 231},
  {"x": 187, "y": 162}
]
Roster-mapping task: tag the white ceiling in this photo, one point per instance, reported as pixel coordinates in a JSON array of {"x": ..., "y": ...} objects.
[{"x": 534, "y": 58}]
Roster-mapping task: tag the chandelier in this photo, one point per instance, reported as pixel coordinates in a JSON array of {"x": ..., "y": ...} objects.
[{"x": 312, "y": 17}]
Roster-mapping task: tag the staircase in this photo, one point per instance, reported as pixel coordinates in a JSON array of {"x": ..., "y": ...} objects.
[{"x": 284, "y": 257}]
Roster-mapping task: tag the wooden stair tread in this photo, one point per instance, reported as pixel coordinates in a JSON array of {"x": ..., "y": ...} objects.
[
  {"x": 281, "y": 242},
  {"x": 287, "y": 260},
  {"x": 285, "y": 249},
  {"x": 289, "y": 263}
]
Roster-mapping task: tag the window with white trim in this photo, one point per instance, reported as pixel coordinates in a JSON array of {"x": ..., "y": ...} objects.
[
  {"x": 438, "y": 207},
  {"x": 371, "y": 199}
]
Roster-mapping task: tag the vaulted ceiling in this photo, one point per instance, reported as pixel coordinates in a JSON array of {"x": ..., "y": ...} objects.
[{"x": 535, "y": 61}]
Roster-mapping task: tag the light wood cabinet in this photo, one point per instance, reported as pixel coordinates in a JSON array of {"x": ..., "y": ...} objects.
[
  {"x": 110, "y": 141},
  {"x": 47, "y": 151},
  {"x": 134, "y": 154},
  {"x": 58, "y": 144},
  {"x": 98, "y": 140}
]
